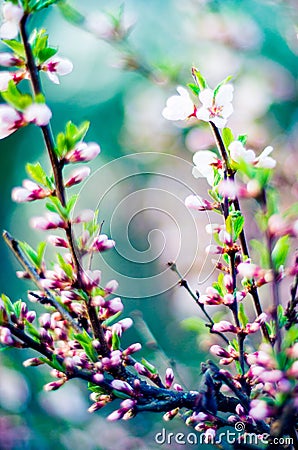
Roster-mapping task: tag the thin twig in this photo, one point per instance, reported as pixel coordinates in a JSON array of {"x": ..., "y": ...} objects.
[
  {"x": 230, "y": 173},
  {"x": 22, "y": 258},
  {"x": 185, "y": 284}
]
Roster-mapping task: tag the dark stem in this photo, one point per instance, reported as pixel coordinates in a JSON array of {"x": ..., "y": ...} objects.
[
  {"x": 57, "y": 171},
  {"x": 21, "y": 257},
  {"x": 243, "y": 241}
]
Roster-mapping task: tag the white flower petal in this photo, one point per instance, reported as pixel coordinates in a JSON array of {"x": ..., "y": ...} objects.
[
  {"x": 219, "y": 122},
  {"x": 203, "y": 114},
  {"x": 206, "y": 97},
  {"x": 224, "y": 94},
  {"x": 227, "y": 110},
  {"x": 9, "y": 30}
]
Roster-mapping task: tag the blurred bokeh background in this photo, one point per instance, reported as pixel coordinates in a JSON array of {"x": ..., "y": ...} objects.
[{"x": 121, "y": 87}]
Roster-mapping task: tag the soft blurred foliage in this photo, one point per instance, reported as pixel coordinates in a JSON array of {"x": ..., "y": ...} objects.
[{"x": 256, "y": 42}]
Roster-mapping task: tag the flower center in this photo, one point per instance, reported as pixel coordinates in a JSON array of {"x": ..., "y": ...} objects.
[{"x": 215, "y": 110}]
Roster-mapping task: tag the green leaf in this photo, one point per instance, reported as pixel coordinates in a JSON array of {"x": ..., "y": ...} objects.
[
  {"x": 32, "y": 331},
  {"x": 15, "y": 98},
  {"x": 71, "y": 203},
  {"x": 37, "y": 173},
  {"x": 17, "y": 308},
  {"x": 39, "y": 41},
  {"x": 149, "y": 366},
  {"x": 282, "y": 319},
  {"x": 226, "y": 80},
  {"x": 242, "y": 316},
  {"x": 229, "y": 225},
  {"x": 16, "y": 46},
  {"x": 97, "y": 389},
  {"x": 46, "y": 54},
  {"x": 81, "y": 131},
  {"x": 194, "y": 88},
  {"x": 70, "y": 13},
  {"x": 238, "y": 224},
  {"x": 280, "y": 252},
  {"x": 262, "y": 253},
  {"x": 29, "y": 252},
  {"x": 201, "y": 81},
  {"x": 242, "y": 138},
  {"x": 7, "y": 304},
  {"x": 38, "y": 5},
  {"x": 108, "y": 322},
  {"x": 194, "y": 324},
  {"x": 227, "y": 136},
  {"x": 40, "y": 252},
  {"x": 86, "y": 342},
  {"x": 65, "y": 266},
  {"x": 116, "y": 343}
]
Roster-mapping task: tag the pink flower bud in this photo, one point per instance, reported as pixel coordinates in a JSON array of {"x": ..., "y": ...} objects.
[
  {"x": 228, "y": 188},
  {"x": 271, "y": 376},
  {"x": 45, "y": 320},
  {"x": 293, "y": 370},
  {"x": 6, "y": 336},
  {"x": 111, "y": 287},
  {"x": 133, "y": 348},
  {"x": 122, "y": 386},
  {"x": 77, "y": 176},
  {"x": 9, "y": 60},
  {"x": 102, "y": 243},
  {"x": 10, "y": 120},
  {"x": 32, "y": 362},
  {"x": 83, "y": 152},
  {"x": 219, "y": 351},
  {"x": 169, "y": 378},
  {"x": 198, "y": 203},
  {"x": 142, "y": 370},
  {"x": 29, "y": 192},
  {"x": 259, "y": 410},
  {"x": 114, "y": 305},
  {"x": 248, "y": 270},
  {"x": 38, "y": 113},
  {"x": 31, "y": 316},
  {"x": 85, "y": 216},
  {"x": 57, "y": 241},
  {"x": 125, "y": 323},
  {"x": 98, "y": 378},
  {"x": 224, "y": 326},
  {"x": 91, "y": 279},
  {"x": 54, "y": 385},
  {"x": 50, "y": 221}
]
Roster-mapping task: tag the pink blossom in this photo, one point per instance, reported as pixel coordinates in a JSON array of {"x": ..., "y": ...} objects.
[
  {"x": 50, "y": 221},
  {"x": 77, "y": 176},
  {"x": 224, "y": 326},
  {"x": 6, "y": 336},
  {"x": 38, "y": 113},
  {"x": 83, "y": 152},
  {"x": 179, "y": 107},
  {"x": 10, "y": 120},
  {"x": 228, "y": 188},
  {"x": 12, "y": 15},
  {"x": 29, "y": 192},
  {"x": 5, "y": 78},
  {"x": 169, "y": 378},
  {"x": 57, "y": 241},
  {"x": 198, "y": 203},
  {"x": 133, "y": 348},
  {"x": 91, "y": 279},
  {"x": 102, "y": 243},
  {"x": 57, "y": 66},
  {"x": 217, "y": 107},
  {"x": 9, "y": 60},
  {"x": 111, "y": 287},
  {"x": 259, "y": 410},
  {"x": 85, "y": 216},
  {"x": 122, "y": 386},
  {"x": 248, "y": 270},
  {"x": 100, "y": 25}
]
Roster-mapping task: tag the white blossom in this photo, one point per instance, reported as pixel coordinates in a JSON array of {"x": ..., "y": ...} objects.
[
  {"x": 203, "y": 161},
  {"x": 12, "y": 15},
  {"x": 217, "y": 107},
  {"x": 178, "y": 107}
]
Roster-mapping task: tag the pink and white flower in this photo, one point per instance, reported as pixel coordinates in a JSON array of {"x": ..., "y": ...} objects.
[
  {"x": 179, "y": 107},
  {"x": 102, "y": 243},
  {"x": 29, "y": 192},
  {"x": 83, "y": 152},
  {"x": 239, "y": 153},
  {"x": 57, "y": 66},
  {"x": 9, "y": 60},
  {"x": 10, "y": 120},
  {"x": 217, "y": 106},
  {"x": 12, "y": 14},
  {"x": 198, "y": 203},
  {"x": 38, "y": 113},
  {"x": 77, "y": 176}
]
